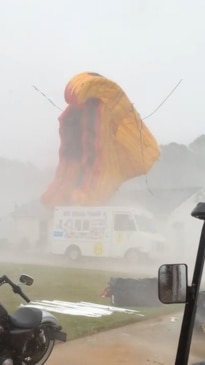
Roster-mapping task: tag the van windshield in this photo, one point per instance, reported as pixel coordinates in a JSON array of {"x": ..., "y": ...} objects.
[
  {"x": 145, "y": 224},
  {"x": 124, "y": 222}
]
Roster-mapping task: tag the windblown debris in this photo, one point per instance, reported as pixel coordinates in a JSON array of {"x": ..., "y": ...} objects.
[
  {"x": 80, "y": 309},
  {"x": 104, "y": 143}
]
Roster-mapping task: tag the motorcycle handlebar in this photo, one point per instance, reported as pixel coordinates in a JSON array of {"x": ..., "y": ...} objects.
[{"x": 16, "y": 288}]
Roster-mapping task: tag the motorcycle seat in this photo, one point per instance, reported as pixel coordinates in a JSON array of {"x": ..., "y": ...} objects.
[{"x": 26, "y": 318}]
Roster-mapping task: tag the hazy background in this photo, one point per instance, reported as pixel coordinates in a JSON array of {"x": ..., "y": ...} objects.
[{"x": 146, "y": 46}]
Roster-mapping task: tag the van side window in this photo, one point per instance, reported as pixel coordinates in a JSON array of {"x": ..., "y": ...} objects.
[
  {"x": 86, "y": 225},
  {"x": 78, "y": 225},
  {"x": 82, "y": 225},
  {"x": 123, "y": 222}
]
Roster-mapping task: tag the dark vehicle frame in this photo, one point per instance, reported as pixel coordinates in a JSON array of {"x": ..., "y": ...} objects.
[{"x": 175, "y": 289}]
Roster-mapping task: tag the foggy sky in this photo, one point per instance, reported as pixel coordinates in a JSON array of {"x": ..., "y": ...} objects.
[{"x": 146, "y": 46}]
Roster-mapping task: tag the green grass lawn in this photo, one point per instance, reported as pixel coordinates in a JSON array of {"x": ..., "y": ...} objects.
[{"x": 72, "y": 285}]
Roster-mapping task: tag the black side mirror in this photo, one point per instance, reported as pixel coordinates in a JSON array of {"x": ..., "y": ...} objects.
[
  {"x": 172, "y": 283},
  {"x": 26, "y": 280}
]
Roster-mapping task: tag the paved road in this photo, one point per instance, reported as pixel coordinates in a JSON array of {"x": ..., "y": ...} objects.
[{"x": 143, "y": 343}]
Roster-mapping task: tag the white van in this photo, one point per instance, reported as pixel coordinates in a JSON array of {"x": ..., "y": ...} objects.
[{"x": 112, "y": 232}]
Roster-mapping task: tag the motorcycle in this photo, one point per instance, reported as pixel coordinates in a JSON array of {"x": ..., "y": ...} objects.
[{"x": 28, "y": 335}]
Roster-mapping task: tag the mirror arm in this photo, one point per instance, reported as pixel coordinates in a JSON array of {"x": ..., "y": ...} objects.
[{"x": 191, "y": 292}]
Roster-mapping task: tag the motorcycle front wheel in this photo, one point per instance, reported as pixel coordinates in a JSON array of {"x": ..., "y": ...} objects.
[{"x": 39, "y": 348}]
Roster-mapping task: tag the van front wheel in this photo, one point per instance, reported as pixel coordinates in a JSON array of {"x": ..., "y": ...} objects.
[
  {"x": 73, "y": 253},
  {"x": 133, "y": 255}
]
